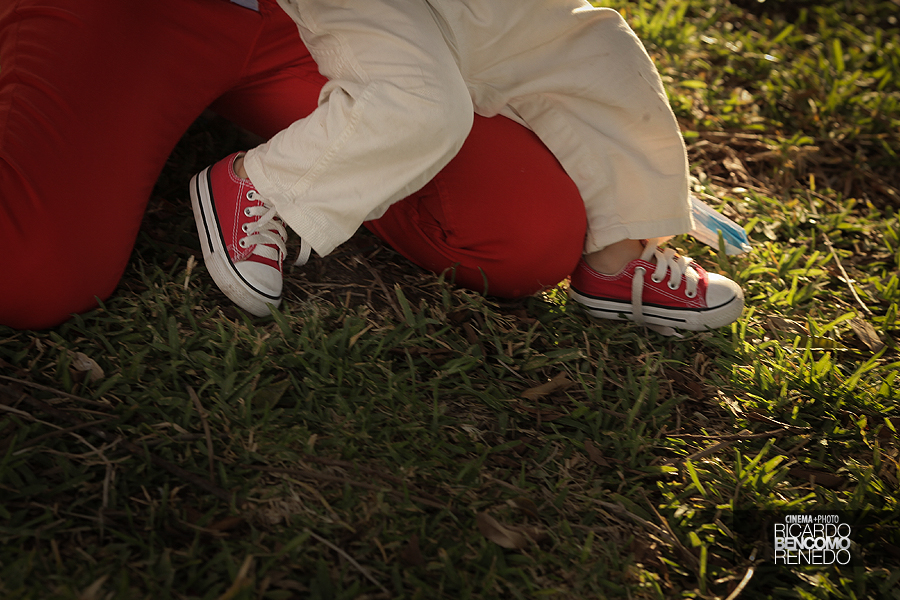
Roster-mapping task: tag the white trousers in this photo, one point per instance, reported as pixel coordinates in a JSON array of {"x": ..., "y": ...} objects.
[{"x": 405, "y": 77}]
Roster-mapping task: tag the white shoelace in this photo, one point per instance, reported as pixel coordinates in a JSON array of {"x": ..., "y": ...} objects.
[
  {"x": 269, "y": 231},
  {"x": 666, "y": 260}
]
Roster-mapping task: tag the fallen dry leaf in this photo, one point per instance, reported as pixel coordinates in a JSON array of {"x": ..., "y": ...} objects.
[
  {"x": 594, "y": 453},
  {"x": 84, "y": 363},
  {"x": 557, "y": 383},
  {"x": 525, "y": 505},
  {"x": 500, "y": 534},
  {"x": 866, "y": 334},
  {"x": 226, "y": 524},
  {"x": 782, "y": 325}
]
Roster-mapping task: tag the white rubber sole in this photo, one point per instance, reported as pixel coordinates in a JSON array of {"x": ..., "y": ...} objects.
[
  {"x": 218, "y": 262},
  {"x": 692, "y": 319}
]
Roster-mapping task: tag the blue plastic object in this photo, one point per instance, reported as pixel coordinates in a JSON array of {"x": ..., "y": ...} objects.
[{"x": 708, "y": 223}]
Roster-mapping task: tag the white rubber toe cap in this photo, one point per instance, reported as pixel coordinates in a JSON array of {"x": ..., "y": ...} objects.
[
  {"x": 262, "y": 286},
  {"x": 721, "y": 290},
  {"x": 263, "y": 278}
]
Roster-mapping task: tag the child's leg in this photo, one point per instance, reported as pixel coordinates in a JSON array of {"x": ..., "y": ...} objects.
[
  {"x": 93, "y": 97},
  {"x": 583, "y": 82},
  {"x": 503, "y": 209},
  {"x": 394, "y": 112}
]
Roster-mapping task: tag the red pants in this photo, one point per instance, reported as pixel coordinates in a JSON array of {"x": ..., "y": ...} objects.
[{"x": 95, "y": 95}]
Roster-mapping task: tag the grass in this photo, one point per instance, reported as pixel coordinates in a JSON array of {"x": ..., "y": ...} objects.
[{"x": 389, "y": 435}]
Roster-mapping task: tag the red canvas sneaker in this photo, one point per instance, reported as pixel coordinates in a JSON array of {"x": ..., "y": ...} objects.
[
  {"x": 243, "y": 238},
  {"x": 673, "y": 291}
]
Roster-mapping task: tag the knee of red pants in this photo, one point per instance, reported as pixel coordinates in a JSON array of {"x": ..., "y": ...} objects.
[
  {"x": 518, "y": 256},
  {"x": 503, "y": 216},
  {"x": 40, "y": 297},
  {"x": 42, "y": 291},
  {"x": 525, "y": 265},
  {"x": 56, "y": 264}
]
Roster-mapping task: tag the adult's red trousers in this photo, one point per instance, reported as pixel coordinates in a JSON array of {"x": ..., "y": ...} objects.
[{"x": 95, "y": 94}]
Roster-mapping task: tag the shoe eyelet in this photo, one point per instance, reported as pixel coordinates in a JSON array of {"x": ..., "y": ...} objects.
[
  {"x": 247, "y": 212},
  {"x": 691, "y": 295},
  {"x": 245, "y": 227},
  {"x": 243, "y": 243},
  {"x": 673, "y": 287},
  {"x": 654, "y": 279},
  {"x": 251, "y": 195}
]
